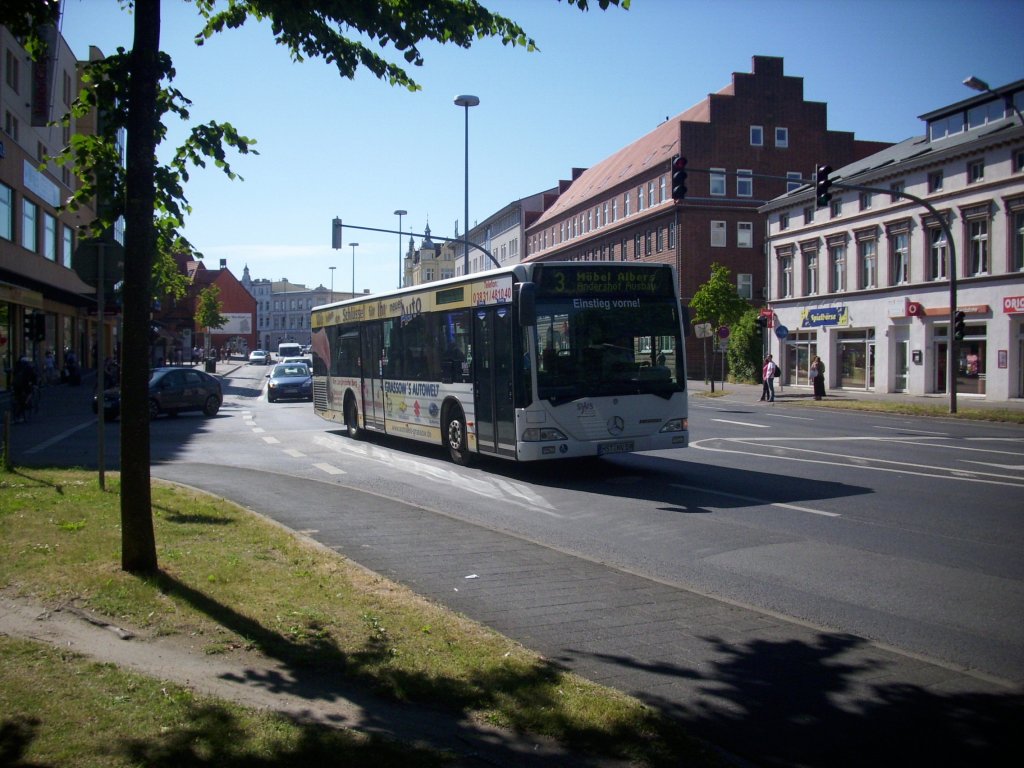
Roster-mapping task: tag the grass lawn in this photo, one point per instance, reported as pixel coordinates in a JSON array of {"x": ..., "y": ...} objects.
[{"x": 229, "y": 581}]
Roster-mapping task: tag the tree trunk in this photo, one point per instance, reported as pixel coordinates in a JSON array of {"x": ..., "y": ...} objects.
[{"x": 138, "y": 542}]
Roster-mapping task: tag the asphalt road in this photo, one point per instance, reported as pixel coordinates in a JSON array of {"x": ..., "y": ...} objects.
[{"x": 791, "y": 567}]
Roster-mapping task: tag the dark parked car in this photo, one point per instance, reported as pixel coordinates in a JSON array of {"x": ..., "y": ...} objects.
[
  {"x": 290, "y": 380},
  {"x": 172, "y": 390}
]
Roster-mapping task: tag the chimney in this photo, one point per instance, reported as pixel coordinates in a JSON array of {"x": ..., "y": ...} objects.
[{"x": 223, "y": 263}]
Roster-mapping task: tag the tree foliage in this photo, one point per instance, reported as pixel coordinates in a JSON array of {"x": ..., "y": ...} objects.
[
  {"x": 717, "y": 301},
  {"x": 745, "y": 346},
  {"x": 208, "y": 308},
  {"x": 131, "y": 92}
]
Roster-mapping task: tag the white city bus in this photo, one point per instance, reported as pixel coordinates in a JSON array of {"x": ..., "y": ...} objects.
[{"x": 536, "y": 361}]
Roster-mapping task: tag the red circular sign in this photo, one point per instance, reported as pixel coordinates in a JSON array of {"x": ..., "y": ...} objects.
[{"x": 723, "y": 332}]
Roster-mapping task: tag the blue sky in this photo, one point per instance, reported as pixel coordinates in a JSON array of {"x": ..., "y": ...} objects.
[{"x": 360, "y": 149}]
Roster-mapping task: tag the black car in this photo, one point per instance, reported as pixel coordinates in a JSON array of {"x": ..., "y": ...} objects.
[
  {"x": 172, "y": 390},
  {"x": 290, "y": 380}
]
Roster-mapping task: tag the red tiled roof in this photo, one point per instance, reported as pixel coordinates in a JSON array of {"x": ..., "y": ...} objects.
[{"x": 656, "y": 148}]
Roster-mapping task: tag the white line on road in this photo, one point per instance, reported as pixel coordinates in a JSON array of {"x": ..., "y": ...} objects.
[
  {"x": 330, "y": 469},
  {"x": 270, "y": 439},
  {"x": 294, "y": 453},
  {"x": 910, "y": 429},
  {"x": 753, "y": 500},
  {"x": 743, "y": 423},
  {"x": 44, "y": 445}
]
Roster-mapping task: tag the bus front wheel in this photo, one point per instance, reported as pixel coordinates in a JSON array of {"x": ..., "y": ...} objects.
[
  {"x": 458, "y": 447},
  {"x": 352, "y": 420}
]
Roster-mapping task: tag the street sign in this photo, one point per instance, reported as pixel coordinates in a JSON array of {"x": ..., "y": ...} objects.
[
  {"x": 702, "y": 330},
  {"x": 86, "y": 262},
  {"x": 782, "y": 331},
  {"x": 723, "y": 332}
]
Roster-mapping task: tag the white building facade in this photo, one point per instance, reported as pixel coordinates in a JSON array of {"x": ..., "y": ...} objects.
[{"x": 863, "y": 283}]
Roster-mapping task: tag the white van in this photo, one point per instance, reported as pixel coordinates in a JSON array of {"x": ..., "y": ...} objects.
[{"x": 288, "y": 349}]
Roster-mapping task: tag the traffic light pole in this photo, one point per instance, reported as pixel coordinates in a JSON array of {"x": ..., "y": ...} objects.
[
  {"x": 951, "y": 346},
  {"x": 338, "y": 227}
]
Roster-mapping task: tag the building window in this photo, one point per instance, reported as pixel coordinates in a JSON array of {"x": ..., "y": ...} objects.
[
  {"x": 1017, "y": 254},
  {"x": 809, "y": 214},
  {"x": 69, "y": 246},
  {"x": 625, "y": 211},
  {"x": 11, "y": 125},
  {"x": 661, "y": 189},
  {"x": 867, "y": 255},
  {"x": 895, "y": 191},
  {"x": 837, "y": 267},
  {"x": 865, "y": 200},
  {"x": 810, "y": 272},
  {"x": 29, "y": 217},
  {"x": 935, "y": 181},
  {"x": 640, "y": 198},
  {"x": 936, "y": 254},
  {"x": 783, "y": 221},
  {"x": 744, "y": 183},
  {"x": 615, "y": 209},
  {"x": 718, "y": 234},
  {"x": 6, "y": 212},
  {"x": 745, "y": 285},
  {"x": 625, "y": 247},
  {"x": 782, "y": 137},
  {"x": 793, "y": 180},
  {"x": 756, "y": 136},
  {"x": 636, "y": 247},
  {"x": 13, "y": 71},
  {"x": 49, "y": 237},
  {"x": 647, "y": 243},
  {"x": 744, "y": 234},
  {"x": 660, "y": 239},
  {"x": 979, "y": 246},
  {"x": 650, "y": 194},
  {"x": 672, "y": 235},
  {"x": 899, "y": 268},
  {"x": 976, "y": 171},
  {"x": 1018, "y": 161},
  {"x": 786, "y": 276},
  {"x": 717, "y": 181},
  {"x": 835, "y": 208}
]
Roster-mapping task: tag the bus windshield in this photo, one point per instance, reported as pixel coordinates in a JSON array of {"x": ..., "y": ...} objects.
[{"x": 592, "y": 347}]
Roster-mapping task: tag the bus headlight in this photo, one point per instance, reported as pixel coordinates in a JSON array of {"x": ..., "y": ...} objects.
[
  {"x": 542, "y": 434},
  {"x": 675, "y": 425}
]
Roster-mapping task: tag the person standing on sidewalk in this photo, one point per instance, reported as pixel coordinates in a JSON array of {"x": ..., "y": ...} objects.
[
  {"x": 768, "y": 379},
  {"x": 818, "y": 377}
]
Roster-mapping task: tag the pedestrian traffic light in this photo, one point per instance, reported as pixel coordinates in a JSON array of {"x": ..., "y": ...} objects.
[
  {"x": 822, "y": 185},
  {"x": 959, "y": 326},
  {"x": 679, "y": 178}
]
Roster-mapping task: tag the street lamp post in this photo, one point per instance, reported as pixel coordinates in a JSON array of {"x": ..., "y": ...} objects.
[
  {"x": 332, "y": 281},
  {"x": 353, "y": 268},
  {"x": 466, "y": 101},
  {"x": 400, "y": 213}
]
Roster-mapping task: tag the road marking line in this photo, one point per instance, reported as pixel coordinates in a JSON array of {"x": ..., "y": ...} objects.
[
  {"x": 294, "y": 453},
  {"x": 754, "y": 500},
  {"x": 270, "y": 439},
  {"x": 330, "y": 469},
  {"x": 911, "y": 429},
  {"x": 44, "y": 445},
  {"x": 257, "y": 430},
  {"x": 743, "y": 423}
]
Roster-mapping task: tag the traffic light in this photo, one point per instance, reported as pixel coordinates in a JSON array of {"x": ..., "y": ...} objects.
[
  {"x": 822, "y": 184},
  {"x": 959, "y": 326},
  {"x": 35, "y": 327},
  {"x": 679, "y": 178},
  {"x": 336, "y": 230}
]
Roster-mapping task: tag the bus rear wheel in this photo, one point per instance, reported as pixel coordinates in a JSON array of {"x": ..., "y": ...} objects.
[
  {"x": 352, "y": 420},
  {"x": 455, "y": 437}
]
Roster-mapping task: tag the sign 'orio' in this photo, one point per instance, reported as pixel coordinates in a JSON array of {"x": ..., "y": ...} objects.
[{"x": 1013, "y": 304}]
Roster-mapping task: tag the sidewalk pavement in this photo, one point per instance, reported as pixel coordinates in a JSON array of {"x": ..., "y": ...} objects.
[{"x": 768, "y": 689}]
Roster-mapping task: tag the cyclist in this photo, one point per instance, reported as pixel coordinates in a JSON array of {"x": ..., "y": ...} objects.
[{"x": 25, "y": 381}]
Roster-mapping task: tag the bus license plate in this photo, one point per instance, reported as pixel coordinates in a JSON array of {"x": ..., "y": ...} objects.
[{"x": 621, "y": 446}]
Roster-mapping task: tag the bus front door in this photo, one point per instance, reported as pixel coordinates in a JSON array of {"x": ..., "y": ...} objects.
[
  {"x": 492, "y": 386},
  {"x": 372, "y": 384}
]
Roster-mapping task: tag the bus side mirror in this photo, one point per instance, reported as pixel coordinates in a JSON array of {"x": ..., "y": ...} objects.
[
  {"x": 686, "y": 321},
  {"x": 526, "y": 301}
]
